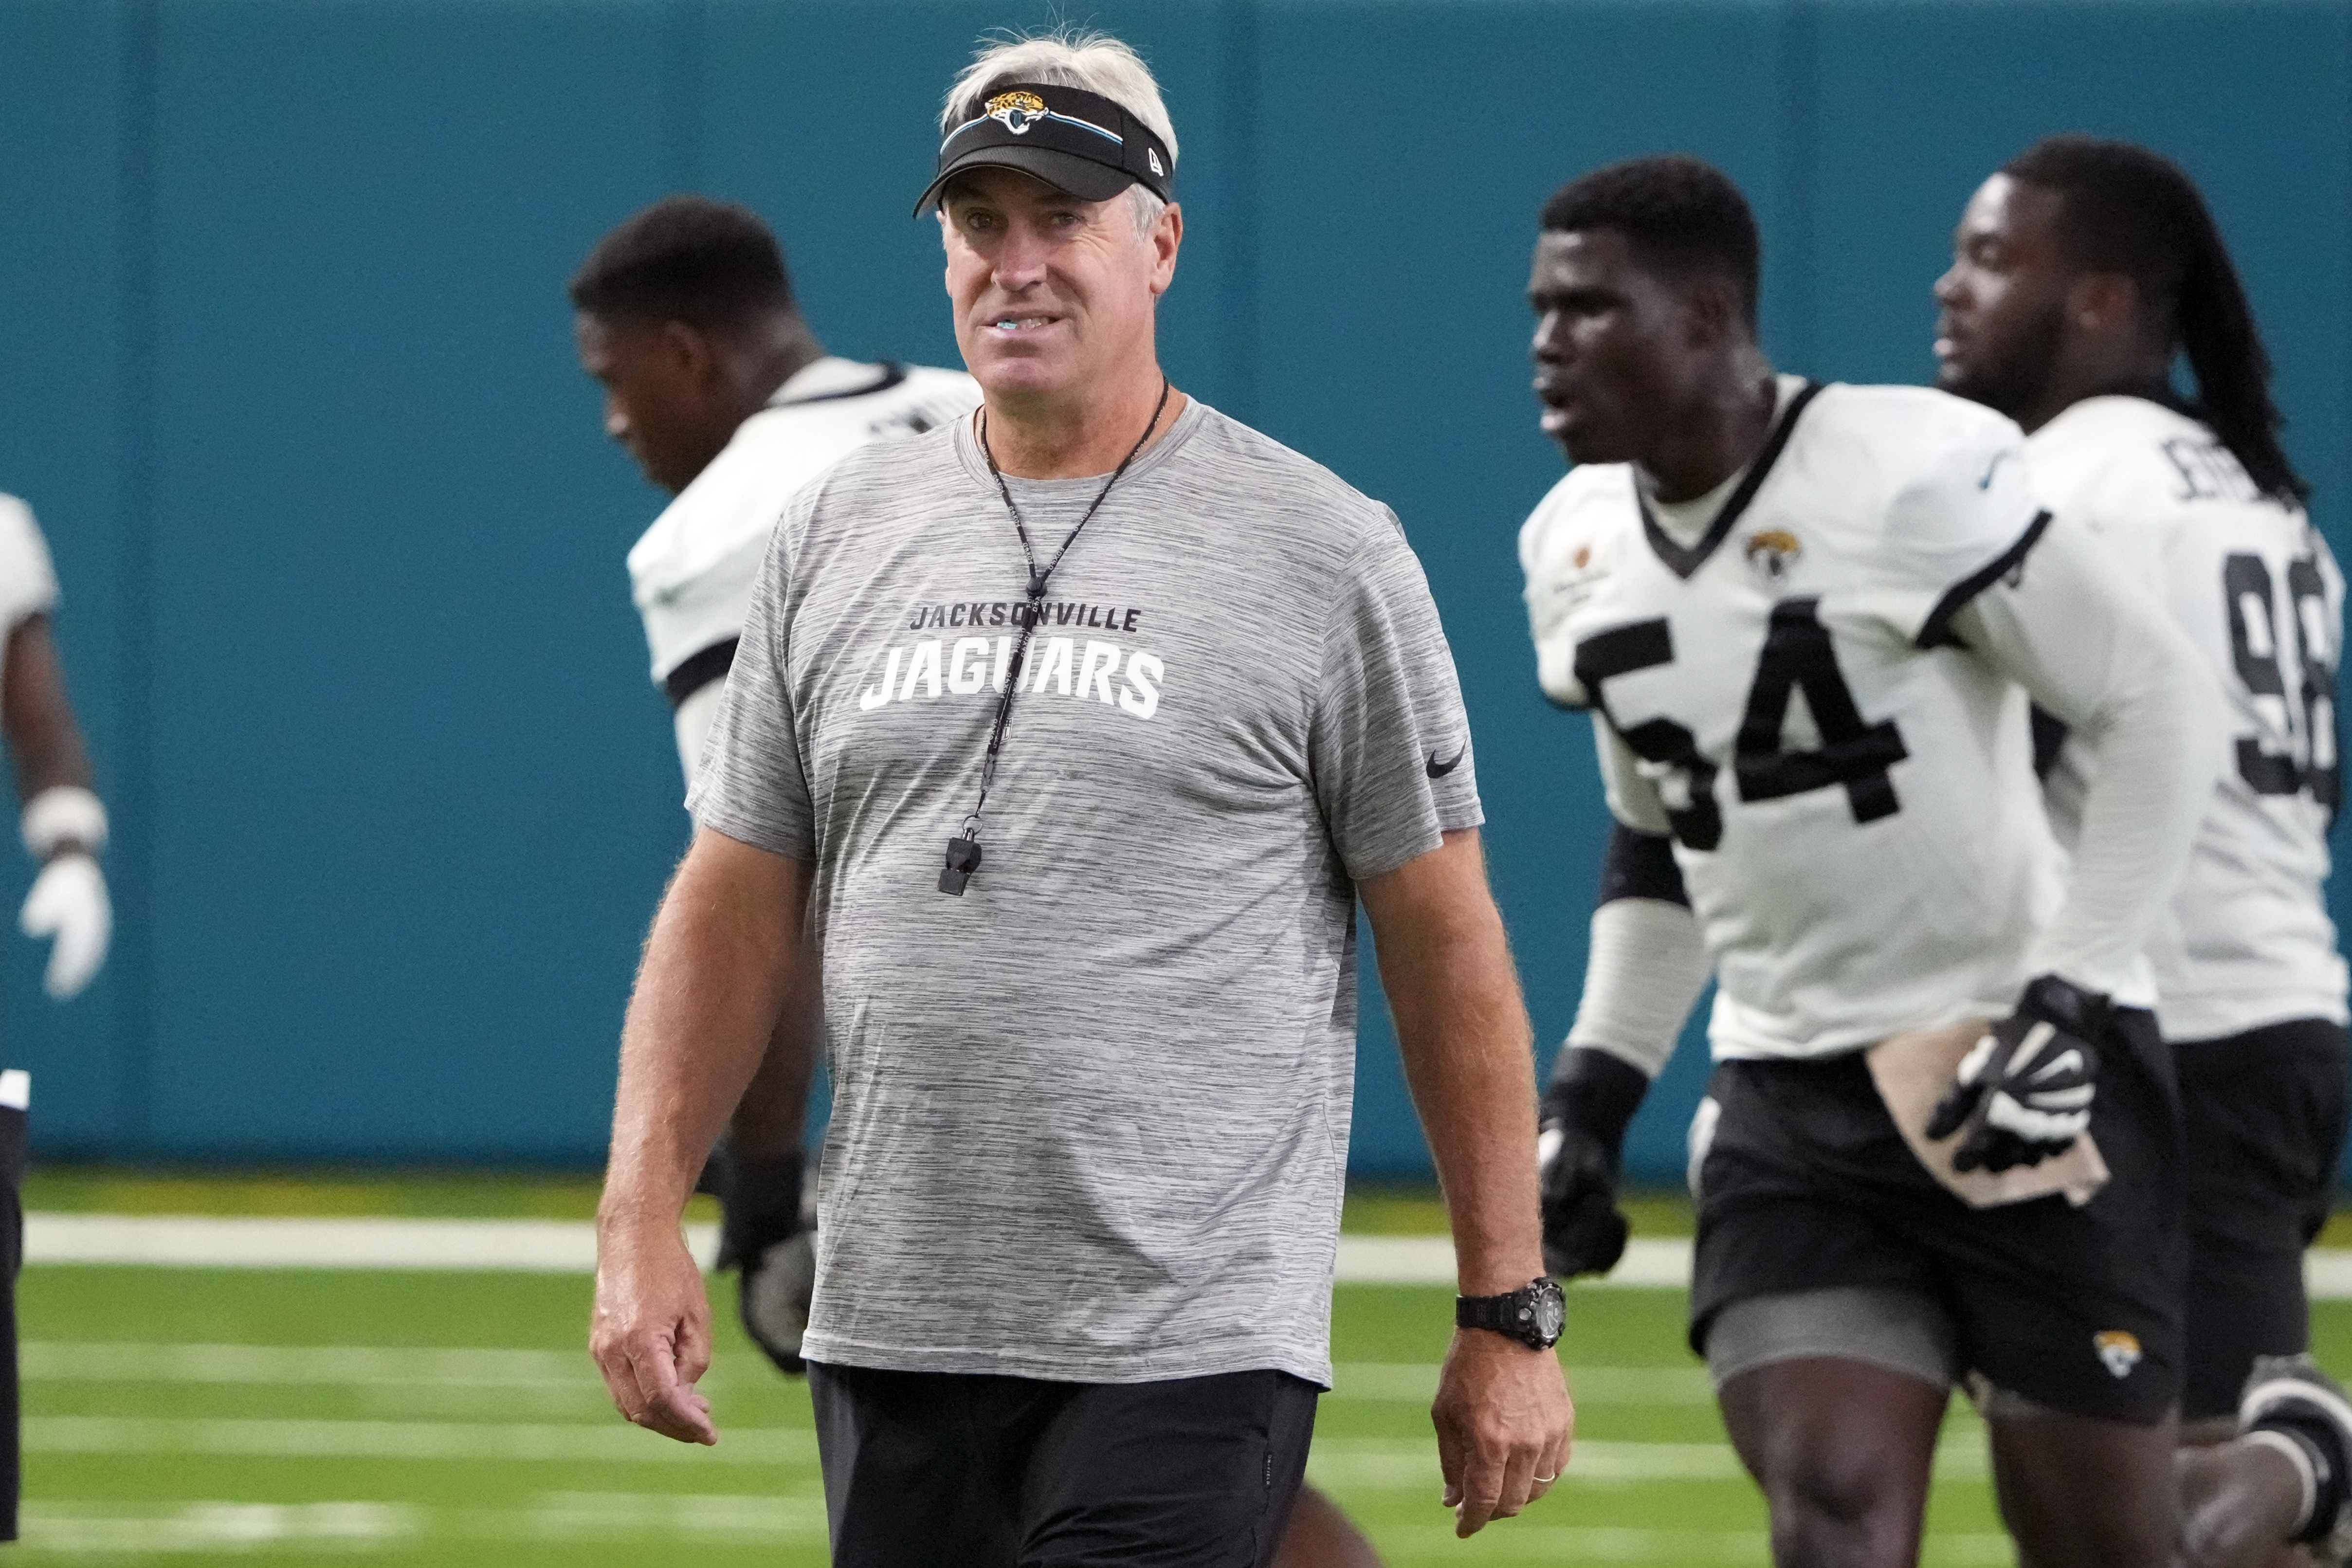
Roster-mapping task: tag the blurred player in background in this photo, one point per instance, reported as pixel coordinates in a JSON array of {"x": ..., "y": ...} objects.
[
  {"x": 2080, "y": 271},
  {"x": 716, "y": 384},
  {"x": 64, "y": 828},
  {"x": 1806, "y": 619}
]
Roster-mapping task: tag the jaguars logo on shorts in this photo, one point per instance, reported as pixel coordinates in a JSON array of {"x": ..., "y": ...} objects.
[{"x": 2119, "y": 1349}]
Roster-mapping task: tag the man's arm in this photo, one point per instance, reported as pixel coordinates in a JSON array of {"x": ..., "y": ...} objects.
[
  {"x": 1644, "y": 968},
  {"x": 1503, "y": 1416},
  {"x": 2092, "y": 647},
  {"x": 64, "y": 824},
  {"x": 44, "y": 741},
  {"x": 725, "y": 955}
]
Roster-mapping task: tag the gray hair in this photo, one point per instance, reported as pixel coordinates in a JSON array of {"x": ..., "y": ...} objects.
[{"x": 1091, "y": 61}]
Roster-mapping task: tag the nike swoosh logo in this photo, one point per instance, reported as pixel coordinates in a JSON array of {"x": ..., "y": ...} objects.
[
  {"x": 1438, "y": 770},
  {"x": 1993, "y": 467}
]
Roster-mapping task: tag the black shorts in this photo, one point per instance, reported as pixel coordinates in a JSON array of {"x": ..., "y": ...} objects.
[
  {"x": 2265, "y": 1112},
  {"x": 11, "y": 1259},
  {"x": 1808, "y": 1185},
  {"x": 923, "y": 1469}
]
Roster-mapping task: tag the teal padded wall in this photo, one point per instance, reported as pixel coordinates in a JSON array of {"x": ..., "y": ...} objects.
[{"x": 286, "y": 369}]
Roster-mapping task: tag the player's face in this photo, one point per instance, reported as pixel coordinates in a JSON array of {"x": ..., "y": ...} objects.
[
  {"x": 1053, "y": 295},
  {"x": 2002, "y": 316},
  {"x": 658, "y": 402},
  {"x": 1613, "y": 346}
]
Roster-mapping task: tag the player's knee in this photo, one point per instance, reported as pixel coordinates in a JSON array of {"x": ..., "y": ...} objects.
[{"x": 1841, "y": 1505}]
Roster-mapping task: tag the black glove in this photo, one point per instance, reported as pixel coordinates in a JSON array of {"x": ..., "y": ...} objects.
[
  {"x": 760, "y": 1233},
  {"x": 2024, "y": 1092},
  {"x": 1583, "y": 1122}
]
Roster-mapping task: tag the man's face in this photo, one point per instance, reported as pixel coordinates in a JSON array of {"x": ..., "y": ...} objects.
[
  {"x": 1615, "y": 346},
  {"x": 663, "y": 397},
  {"x": 1051, "y": 293},
  {"x": 2002, "y": 306}
]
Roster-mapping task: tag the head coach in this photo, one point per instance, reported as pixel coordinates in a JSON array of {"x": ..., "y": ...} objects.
[{"x": 1065, "y": 739}]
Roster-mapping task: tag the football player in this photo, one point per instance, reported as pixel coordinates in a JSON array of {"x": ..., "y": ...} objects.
[
  {"x": 1942, "y": 1137},
  {"x": 717, "y": 386},
  {"x": 2080, "y": 271},
  {"x": 63, "y": 828}
]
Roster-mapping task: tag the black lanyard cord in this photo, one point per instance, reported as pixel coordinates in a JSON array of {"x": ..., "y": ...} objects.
[{"x": 963, "y": 851}]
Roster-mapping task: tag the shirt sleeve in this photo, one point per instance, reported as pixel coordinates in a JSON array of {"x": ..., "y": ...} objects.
[
  {"x": 2091, "y": 646},
  {"x": 28, "y": 582},
  {"x": 1389, "y": 742},
  {"x": 751, "y": 783}
]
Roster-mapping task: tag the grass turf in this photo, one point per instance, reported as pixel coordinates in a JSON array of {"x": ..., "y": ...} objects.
[
  {"x": 445, "y": 1419},
  {"x": 347, "y": 1428}
]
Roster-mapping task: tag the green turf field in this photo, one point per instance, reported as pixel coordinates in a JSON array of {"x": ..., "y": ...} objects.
[{"x": 202, "y": 1416}]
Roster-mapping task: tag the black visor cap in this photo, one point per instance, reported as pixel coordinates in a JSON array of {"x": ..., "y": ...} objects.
[{"x": 1079, "y": 143}]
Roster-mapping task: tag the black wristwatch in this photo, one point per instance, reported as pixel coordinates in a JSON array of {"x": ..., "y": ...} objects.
[{"x": 1532, "y": 1314}]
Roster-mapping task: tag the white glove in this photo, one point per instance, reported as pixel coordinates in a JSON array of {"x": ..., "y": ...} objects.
[{"x": 69, "y": 901}]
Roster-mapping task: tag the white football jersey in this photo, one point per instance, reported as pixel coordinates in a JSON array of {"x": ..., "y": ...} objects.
[
  {"x": 1851, "y": 794},
  {"x": 28, "y": 582},
  {"x": 2252, "y": 583},
  {"x": 692, "y": 572}
]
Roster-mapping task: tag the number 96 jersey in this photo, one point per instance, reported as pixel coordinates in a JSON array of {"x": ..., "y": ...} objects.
[
  {"x": 2248, "y": 943},
  {"x": 1850, "y": 791}
]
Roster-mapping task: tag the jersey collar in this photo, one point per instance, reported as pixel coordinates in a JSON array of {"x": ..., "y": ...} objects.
[
  {"x": 832, "y": 380},
  {"x": 1683, "y": 561}
]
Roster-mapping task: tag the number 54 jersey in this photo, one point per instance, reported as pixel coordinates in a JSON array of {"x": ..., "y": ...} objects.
[
  {"x": 1849, "y": 790},
  {"x": 2248, "y": 943}
]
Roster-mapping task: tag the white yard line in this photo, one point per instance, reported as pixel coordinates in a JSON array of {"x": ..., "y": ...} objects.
[
  {"x": 117, "y": 1529},
  {"x": 608, "y": 1442},
  {"x": 565, "y": 1247},
  {"x": 193, "y": 1241}
]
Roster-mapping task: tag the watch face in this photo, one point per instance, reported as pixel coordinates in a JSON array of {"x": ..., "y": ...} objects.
[{"x": 1551, "y": 1312}]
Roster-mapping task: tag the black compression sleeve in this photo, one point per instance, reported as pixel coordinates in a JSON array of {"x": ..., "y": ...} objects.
[{"x": 1640, "y": 866}]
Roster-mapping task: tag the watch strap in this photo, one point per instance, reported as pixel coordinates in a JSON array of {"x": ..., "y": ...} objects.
[{"x": 1513, "y": 1314}]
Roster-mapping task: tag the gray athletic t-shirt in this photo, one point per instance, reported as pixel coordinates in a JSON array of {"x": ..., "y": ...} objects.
[{"x": 1090, "y": 1119}]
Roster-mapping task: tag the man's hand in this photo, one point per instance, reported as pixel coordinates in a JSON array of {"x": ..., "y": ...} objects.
[
  {"x": 761, "y": 1234},
  {"x": 1504, "y": 1425},
  {"x": 1592, "y": 1097},
  {"x": 69, "y": 901},
  {"x": 1583, "y": 1233},
  {"x": 651, "y": 1336},
  {"x": 2025, "y": 1092}
]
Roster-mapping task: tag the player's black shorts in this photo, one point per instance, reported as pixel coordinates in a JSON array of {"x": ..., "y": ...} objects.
[
  {"x": 1808, "y": 1186},
  {"x": 2265, "y": 1112},
  {"x": 923, "y": 1469},
  {"x": 12, "y": 1258}
]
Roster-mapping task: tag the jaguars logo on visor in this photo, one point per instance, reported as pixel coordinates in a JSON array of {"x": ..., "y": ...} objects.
[{"x": 1016, "y": 111}]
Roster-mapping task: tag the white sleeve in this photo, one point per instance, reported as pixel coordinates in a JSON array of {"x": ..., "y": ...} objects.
[
  {"x": 2091, "y": 646},
  {"x": 1642, "y": 973},
  {"x": 28, "y": 583}
]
